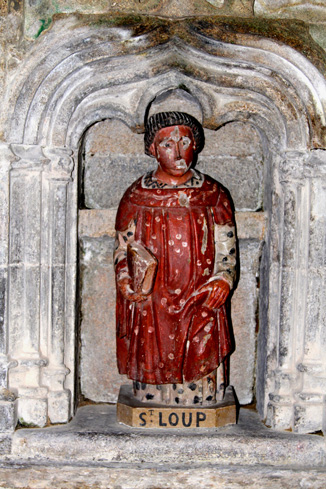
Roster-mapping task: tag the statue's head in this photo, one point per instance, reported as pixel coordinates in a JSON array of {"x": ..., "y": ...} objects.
[
  {"x": 173, "y": 138},
  {"x": 162, "y": 120}
]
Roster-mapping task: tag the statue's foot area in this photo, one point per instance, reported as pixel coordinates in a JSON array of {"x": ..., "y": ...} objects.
[
  {"x": 152, "y": 414},
  {"x": 201, "y": 392}
]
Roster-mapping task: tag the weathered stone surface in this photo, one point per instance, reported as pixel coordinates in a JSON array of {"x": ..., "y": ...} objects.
[
  {"x": 38, "y": 16},
  {"x": 37, "y": 311},
  {"x": 230, "y": 153},
  {"x": 317, "y": 32},
  {"x": 251, "y": 225},
  {"x": 309, "y": 11},
  {"x": 96, "y": 223},
  {"x": 8, "y": 416},
  {"x": 10, "y": 36},
  {"x": 103, "y": 178},
  {"x": 244, "y": 311},
  {"x": 5, "y": 444},
  {"x": 99, "y": 377},
  {"x": 113, "y": 136},
  {"x": 114, "y": 159},
  {"x": 176, "y": 100},
  {"x": 246, "y": 195},
  {"x": 144, "y": 477},
  {"x": 236, "y": 139},
  {"x": 33, "y": 410}
]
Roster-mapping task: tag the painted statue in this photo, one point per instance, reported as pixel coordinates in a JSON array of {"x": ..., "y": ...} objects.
[{"x": 175, "y": 264}]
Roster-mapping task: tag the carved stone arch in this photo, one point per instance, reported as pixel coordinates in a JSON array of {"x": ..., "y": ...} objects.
[
  {"x": 173, "y": 80},
  {"x": 95, "y": 75},
  {"x": 267, "y": 123},
  {"x": 92, "y": 114},
  {"x": 51, "y": 91}
]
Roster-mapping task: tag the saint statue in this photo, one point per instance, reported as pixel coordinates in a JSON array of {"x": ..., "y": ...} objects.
[{"x": 175, "y": 264}]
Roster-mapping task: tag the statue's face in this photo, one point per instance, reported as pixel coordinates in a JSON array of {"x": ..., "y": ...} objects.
[{"x": 174, "y": 149}]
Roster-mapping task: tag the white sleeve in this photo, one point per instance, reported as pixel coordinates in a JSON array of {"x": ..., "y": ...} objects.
[{"x": 225, "y": 253}]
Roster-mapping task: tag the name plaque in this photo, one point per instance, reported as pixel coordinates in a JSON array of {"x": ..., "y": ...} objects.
[{"x": 132, "y": 412}]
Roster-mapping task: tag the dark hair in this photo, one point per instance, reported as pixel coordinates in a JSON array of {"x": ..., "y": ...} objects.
[{"x": 165, "y": 119}]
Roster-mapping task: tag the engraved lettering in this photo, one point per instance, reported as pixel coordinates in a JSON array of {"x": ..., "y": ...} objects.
[
  {"x": 142, "y": 417},
  {"x": 200, "y": 417},
  {"x": 175, "y": 421},
  {"x": 186, "y": 425},
  {"x": 161, "y": 420}
]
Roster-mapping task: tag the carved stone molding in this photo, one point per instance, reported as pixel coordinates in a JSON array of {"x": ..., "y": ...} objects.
[
  {"x": 55, "y": 266},
  {"x": 283, "y": 97},
  {"x": 293, "y": 223},
  {"x": 315, "y": 166},
  {"x": 8, "y": 404},
  {"x": 29, "y": 157},
  {"x": 297, "y": 398},
  {"x": 38, "y": 182},
  {"x": 292, "y": 165},
  {"x": 24, "y": 282},
  {"x": 61, "y": 163},
  {"x": 299, "y": 165}
]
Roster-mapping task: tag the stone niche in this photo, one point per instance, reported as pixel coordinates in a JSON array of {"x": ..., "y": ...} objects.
[
  {"x": 74, "y": 135},
  {"x": 113, "y": 157}
]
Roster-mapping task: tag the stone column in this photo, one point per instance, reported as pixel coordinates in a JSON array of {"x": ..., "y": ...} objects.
[
  {"x": 7, "y": 398},
  {"x": 300, "y": 290},
  {"x": 24, "y": 283},
  {"x": 310, "y": 405},
  {"x": 42, "y": 276},
  {"x": 58, "y": 270}
]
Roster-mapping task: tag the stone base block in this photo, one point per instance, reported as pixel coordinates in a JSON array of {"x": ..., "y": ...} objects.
[
  {"x": 308, "y": 417},
  {"x": 59, "y": 406},
  {"x": 279, "y": 416},
  {"x": 132, "y": 412},
  {"x": 5, "y": 444},
  {"x": 8, "y": 416},
  {"x": 32, "y": 412}
]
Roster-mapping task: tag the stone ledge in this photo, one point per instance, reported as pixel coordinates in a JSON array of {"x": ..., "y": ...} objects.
[
  {"x": 95, "y": 438},
  {"x": 119, "y": 476}
]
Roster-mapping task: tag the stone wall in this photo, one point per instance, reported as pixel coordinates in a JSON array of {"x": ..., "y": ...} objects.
[{"x": 256, "y": 69}]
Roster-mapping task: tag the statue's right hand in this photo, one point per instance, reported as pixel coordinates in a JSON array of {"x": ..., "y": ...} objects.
[{"x": 128, "y": 293}]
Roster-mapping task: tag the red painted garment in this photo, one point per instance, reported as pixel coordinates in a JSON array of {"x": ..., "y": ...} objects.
[{"x": 172, "y": 336}]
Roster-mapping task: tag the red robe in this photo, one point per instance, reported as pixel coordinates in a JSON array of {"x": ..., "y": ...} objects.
[{"x": 173, "y": 336}]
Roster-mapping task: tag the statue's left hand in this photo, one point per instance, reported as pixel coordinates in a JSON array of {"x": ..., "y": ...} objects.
[
  {"x": 128, "y": 293},
  {"x": 219, "y": 291}
]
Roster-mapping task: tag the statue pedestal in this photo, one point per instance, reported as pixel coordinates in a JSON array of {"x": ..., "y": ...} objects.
[{"x": 132, "y": 412}]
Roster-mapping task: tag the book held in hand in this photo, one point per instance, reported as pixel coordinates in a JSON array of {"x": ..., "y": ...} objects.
[{"x": 142, "y": 266}]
